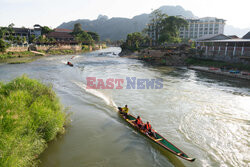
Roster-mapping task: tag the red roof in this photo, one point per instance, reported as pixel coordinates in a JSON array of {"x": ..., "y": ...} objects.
[
  {"x": 59, "y": 35},
  {"x": 62, "y": 30}
]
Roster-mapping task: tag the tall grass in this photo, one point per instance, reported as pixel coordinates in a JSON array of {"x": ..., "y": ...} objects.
[{"x": 30, "y": 116}]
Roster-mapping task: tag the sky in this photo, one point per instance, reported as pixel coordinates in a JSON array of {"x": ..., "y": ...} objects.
[{"x": 54, "y": 12}]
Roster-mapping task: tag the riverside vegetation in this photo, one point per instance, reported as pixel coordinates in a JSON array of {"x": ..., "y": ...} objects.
[{"x": 30, "y": 116}]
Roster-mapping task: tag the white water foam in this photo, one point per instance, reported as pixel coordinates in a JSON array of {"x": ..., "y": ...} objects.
[
  {"x": 97, "y": 93},
  {"x": 64, "y": 61}
]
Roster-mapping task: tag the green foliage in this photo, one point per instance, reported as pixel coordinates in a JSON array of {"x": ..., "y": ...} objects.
[
  {"x": 61, "y": 52},
  {"x": 32, "y": 38},
  {"x": 46, "y": 30},
  {"x": 84, "y": 37},
  {"x": 16, "y": 54},
  {"x": 170, "y": 29},
  {"x": 3, "y": 46},
  {"x": 6, "y": 33},
  {"x": 77, "y": 28},
  {"x": 30, "y": 116},
  {"x": 94, "y": 36},
  {"x": 166, "y": 28},
  {"x": 135, "y": 41},
  {"x": 85, "y": 48},
  {"x": 156, "y": 22}
]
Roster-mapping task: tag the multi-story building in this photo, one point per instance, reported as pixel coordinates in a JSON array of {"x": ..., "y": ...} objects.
[
  {"x": 197, "y": 28},
  {"x": 201, "y": 27},
  {"x": 26, "y": 32}
]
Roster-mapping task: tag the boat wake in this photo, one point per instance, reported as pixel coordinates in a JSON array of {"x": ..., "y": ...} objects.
[{"x": 98, "y": 94}]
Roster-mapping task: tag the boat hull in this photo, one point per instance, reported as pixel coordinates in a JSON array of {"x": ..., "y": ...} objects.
[{"x": 159, "y": 140}]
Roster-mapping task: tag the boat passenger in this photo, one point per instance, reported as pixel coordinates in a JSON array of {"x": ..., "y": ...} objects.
[
  {"x": 125, "y": 110},
  {"x": 138, "y": 122},
  {"x": 148, "y": 129},
  {"x": 70, "y": 64}
]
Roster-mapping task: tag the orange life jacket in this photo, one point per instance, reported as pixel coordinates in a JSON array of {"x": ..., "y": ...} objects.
[
  {"x": 138, "y": 121},
  {"x": 148, "y": 126}
]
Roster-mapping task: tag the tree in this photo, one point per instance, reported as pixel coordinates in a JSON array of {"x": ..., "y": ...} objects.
[
  {"x": 95, "y": 36},
  {"x": 170, "y": 29},
  {"x": 32, "y": 38},
  {"x": 77, "y": 28},
  {"x": 155, "y": 24},
  {"x": 3, "y": 32},
  {"x": 135, "y": 41},
  {"x": 40, "y": 39},
  {"x": 84, "y": 37},
  {"x": 3, "y": 45},
  {"x": 46, "y": 30},
  {"x": 7, "y": 32}
]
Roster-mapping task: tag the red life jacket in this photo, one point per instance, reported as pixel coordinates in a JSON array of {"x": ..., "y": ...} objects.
[
  {"x": 138, "y": 121},
  {"x": 148, "y": 126}
]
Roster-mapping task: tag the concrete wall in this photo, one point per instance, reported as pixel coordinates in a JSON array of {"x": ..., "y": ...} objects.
[
  {"x": 54, "y": 47},
  {"x": 17, "y": 49},
  {"x": 45, "y": 48},
  {"x": 59, "y": 47}
]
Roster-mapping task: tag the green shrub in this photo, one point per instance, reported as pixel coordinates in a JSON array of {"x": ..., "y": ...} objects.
[{"x": 30, "y": 116}]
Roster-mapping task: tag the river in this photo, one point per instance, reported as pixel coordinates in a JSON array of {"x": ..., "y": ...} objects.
[{"x": 206, "y": 116}]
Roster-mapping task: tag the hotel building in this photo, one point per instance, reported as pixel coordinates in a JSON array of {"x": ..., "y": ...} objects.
[{"x": 202, "y": 27}]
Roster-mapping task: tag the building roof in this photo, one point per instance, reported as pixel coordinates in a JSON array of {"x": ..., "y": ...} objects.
[
  {"x": 233, "y": 36},
  {"x": 247, "y": 36},
  {"x": 59, "y": 35},
  {"x": 63, "y": 30},
  {"x": 21, "y": 30},
  {"x": 213, "y": 37}
]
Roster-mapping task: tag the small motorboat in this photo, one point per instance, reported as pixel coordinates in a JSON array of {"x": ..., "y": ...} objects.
[
  {"x": 234, "y": 71},
  {"x": 70, "y": 64},
  {"x": 213, "y": 68}
]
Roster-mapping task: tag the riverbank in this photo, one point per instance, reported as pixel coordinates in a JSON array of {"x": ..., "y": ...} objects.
[
  {"x": 218, "y": 71},
  {"x": 170, "y": 56},
  {"x": 19, "y": 57},
  {"x": 218, "y": 64},
  {"x": 31, "y": 115}
]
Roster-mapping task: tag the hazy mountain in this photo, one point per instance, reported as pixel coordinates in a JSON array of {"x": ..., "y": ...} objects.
[
  {"x": 118, "y": 28},
  {"x": 231, "y": 30}
]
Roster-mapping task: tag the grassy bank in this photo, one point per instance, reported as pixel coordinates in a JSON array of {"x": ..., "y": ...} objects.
[
  {"x": 18, "y": 57},
  {"x": 30, "y": 116},
  {"x": 218, "y": 64},
  {"x": 58, "y": 52}
]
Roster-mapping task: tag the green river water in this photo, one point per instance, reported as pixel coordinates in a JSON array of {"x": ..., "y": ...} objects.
[{"x": 206, "y": 116}]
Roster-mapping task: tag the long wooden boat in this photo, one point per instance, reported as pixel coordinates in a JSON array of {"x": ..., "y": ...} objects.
[{"x": 160, "y": 140}]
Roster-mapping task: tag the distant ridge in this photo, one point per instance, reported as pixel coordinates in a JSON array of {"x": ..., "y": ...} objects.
[{"x": 118, "y": 28}]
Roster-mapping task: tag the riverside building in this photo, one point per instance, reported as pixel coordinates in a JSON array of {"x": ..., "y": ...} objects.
[{"x": 198, "y": 28}]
